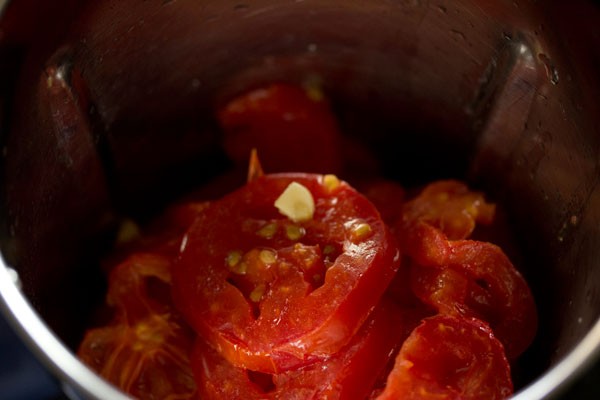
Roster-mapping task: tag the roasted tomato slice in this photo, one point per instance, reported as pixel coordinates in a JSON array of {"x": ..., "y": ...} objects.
[
  {"x": 477, "y": 279},
  {"x": 464, "y": 277},
  {"x": 272, "y": 294},
  {"x": 348, "y": 374},
  {"x": 292, "y": 128},
  {"x": 449, "y": 206},
  {"x": 450, "y": 358},
  {"x": 145, "y": 349}
]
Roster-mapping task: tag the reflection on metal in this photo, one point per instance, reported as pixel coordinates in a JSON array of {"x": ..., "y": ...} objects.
[
  {"x": 3, "y": 4},
  {"x": 15, "y": 277},
  {"x": 46, "y": 346},
  {"x": 556, "y": 380},
  {"x": 504, "y": 106}
]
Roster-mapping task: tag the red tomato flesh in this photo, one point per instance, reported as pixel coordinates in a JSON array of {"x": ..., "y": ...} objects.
[
  {"x": 292, "y": 128},
  {"x": 348, "y": 374},
  {"x": 465, "y": 277},
  {"x": 270, "y": 294},
  {"x": 450, "y": 358},
  {"x": 477, "y": 279},
  {"x": 449, "y": 206},
  {"x": 145, "y": 349}
]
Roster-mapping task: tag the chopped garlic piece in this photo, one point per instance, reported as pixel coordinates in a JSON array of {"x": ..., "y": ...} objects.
[
  {"x": 267, "y": 256},
  {"x": 331, "y": 182},
  {"x": 294, "y": 232},
  {"x": 361, "y": 231},
  {"x": 233, "y": 258},
  {"x": 267, "y": 231},
  {"x": 235, "y": 263},
  {"x": 240, "y": 269},
  {"x": 296, "y": 203},
  {"x": 257, "y": 294}
]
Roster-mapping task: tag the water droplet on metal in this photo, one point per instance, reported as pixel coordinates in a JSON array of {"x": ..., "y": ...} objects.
[
  {"x": 14, "y": 276},
  {"x": 458, "y": 34},
  {"x": 554, "y": 76}
]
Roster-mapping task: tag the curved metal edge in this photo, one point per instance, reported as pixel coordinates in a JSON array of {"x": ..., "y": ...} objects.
[
  {"x": 559, "y": 377},
  {"x": 47, "y": 347}
]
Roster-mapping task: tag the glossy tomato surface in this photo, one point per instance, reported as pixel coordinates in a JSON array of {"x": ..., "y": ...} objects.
[
  {"x": 348, "y": 374},
  {"x": 145, "y": 349},
  {"x": 449, "y": 206},
  {"x": 291, "y": 127},
  {"x": 450, "y": 358},
  {"x": 464, "y": 277},
  {"x": 271, "y": 294},
  {"x": 477, "y": 279}
]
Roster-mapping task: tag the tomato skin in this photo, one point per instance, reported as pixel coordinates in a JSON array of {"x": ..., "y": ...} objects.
[
  {"x": 478, "y": 280},
  {"x": 449, "y": 206},
  {"x": 145, "y": 349},
  {"x": 464, "y": 277},
  {"x": 425, "y": 244},
  {"x": 348, "y": 374},
  {"x": 300, "y": 320},
  {"x": 449, "y": 357},
  {"x": 291, "y": 129}
]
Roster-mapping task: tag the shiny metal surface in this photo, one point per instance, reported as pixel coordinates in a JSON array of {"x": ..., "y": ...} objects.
[
  {"x": 501, "y": 93},
  {"x": 3, "y": 5},
  {"x": 44, "y": 343}
]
